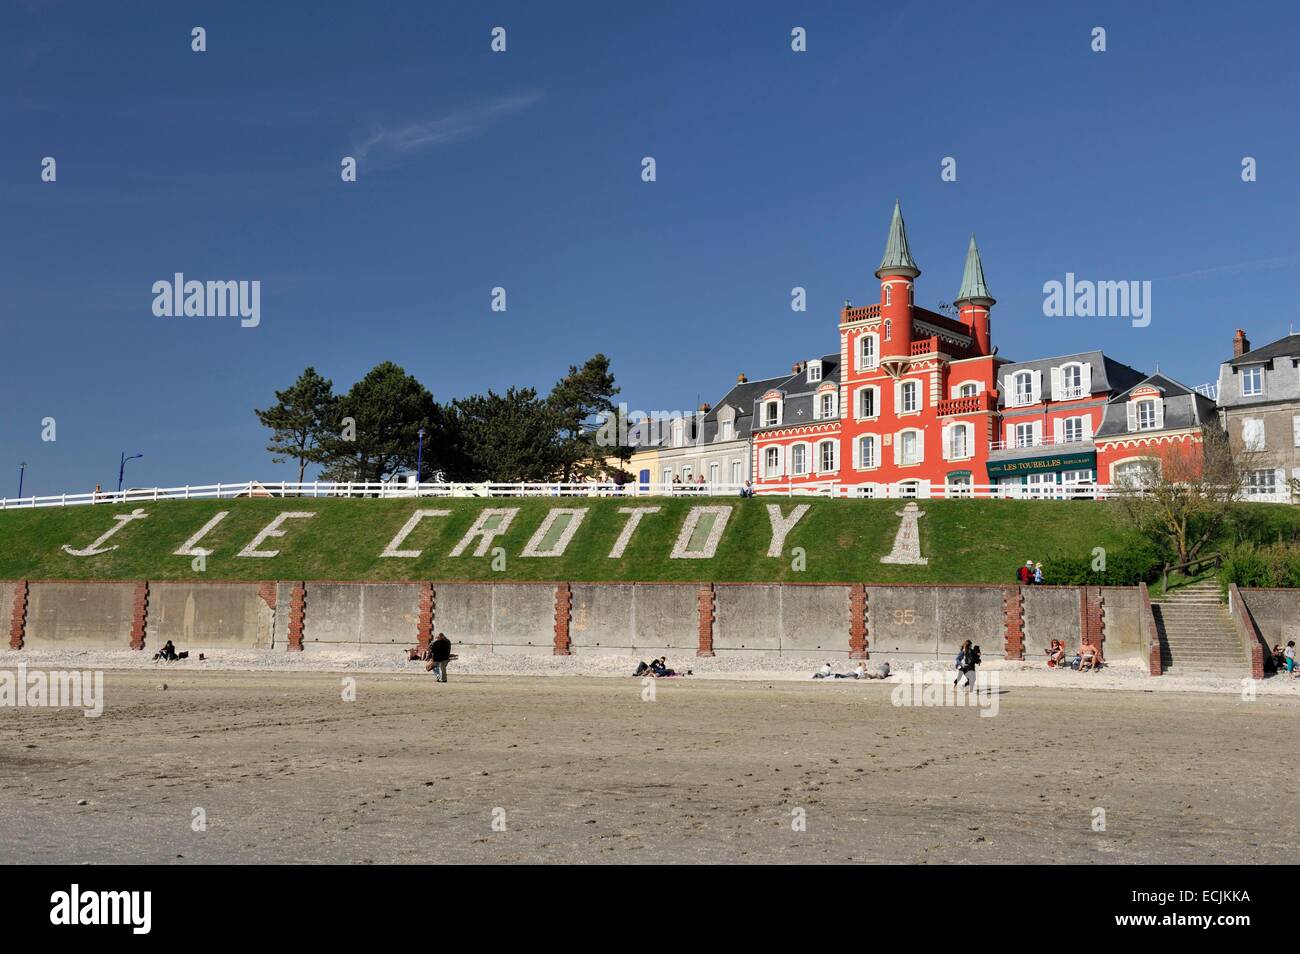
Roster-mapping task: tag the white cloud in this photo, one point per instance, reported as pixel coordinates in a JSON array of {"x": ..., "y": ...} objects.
[{"x": 424, "y": 134}]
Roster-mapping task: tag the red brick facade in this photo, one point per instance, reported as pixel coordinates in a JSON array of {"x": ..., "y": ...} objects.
[
  {"x": 1092, "y": 621},
  {"x": 858, "y": 645},
  {"x": 424, "y": 629}
]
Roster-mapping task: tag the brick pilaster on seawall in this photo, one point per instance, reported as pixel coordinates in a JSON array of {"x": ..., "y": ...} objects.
[
  {"x": 139, "y": 614},
  {"x": 267, "y": 591},
  {"x": 424, "y": 631},
  {"x": 707, "y": 608},
  {"x": 297, "y": 616},
  {"x": 563, "y": 616},
  {"x": 18, "y": 616},
  {"x": 1013, "y": 621},
  {"x": 1092, "y": 619},
  {"x": 858, "y": 622}
]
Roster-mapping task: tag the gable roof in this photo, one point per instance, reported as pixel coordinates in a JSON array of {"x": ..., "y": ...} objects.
[{"x": 1288, "y": 347}]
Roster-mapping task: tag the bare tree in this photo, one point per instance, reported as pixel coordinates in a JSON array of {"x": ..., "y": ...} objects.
[{"x": 1184, "y": 500}]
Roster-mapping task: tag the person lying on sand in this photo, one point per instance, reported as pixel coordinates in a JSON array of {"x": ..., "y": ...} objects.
[
  {"x": 881, "y": 672},
  {"x": 825, "y": 672},
  {"x": 859, "y": 673}
]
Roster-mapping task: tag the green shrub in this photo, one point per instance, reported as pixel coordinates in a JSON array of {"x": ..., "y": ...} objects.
[
  {"x": 1275, "y": 564},
  {"x": 1123, "y": 567}
]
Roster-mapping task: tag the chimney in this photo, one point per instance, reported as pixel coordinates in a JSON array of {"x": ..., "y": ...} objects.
[
  {"x": 740, "y": 378},
  {"x": 1240, "y": 344},
  {"x": 706, "y": 408}
]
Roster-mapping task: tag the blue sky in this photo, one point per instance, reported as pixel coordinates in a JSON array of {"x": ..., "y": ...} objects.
[{"x": 522, "y": 170}]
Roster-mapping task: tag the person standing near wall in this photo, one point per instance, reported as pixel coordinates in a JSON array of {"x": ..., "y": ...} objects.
[{"x": 440, "y": 657}]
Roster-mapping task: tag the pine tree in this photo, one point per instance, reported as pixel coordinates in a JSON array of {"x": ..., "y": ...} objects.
[{"x": 298, "y": 420}]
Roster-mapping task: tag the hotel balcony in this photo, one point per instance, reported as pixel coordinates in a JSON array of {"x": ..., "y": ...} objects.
[{"x": 974, "y": 404}]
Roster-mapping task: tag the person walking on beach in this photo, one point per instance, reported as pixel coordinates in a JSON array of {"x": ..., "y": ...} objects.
[
  {"x": 968, "y": 668},
  {"x": 439, "y": 657},
  {"x": 959, "y": 663}
]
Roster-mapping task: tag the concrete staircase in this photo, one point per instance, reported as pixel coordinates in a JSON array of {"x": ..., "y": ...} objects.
[{"x": 1197, "y": 636}]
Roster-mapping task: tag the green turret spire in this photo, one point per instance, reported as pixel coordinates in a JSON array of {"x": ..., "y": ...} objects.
[
  {"x": 898, "y": 257},
  {"x": 972, "y": 278}
]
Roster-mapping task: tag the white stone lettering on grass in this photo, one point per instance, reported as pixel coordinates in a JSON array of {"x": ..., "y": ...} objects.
[
  {"x": 634, "y": 515},
  {"x": 701, "y": 533},
  {"x": 491, "y": 523},
  {"x": 781, "y": 526},
  {"x": 96, "y": 548},
  {"x": 907, "y": 542},
  {"x": 272, "y": 529},
  {"x": 191, "y": 548},
  {"x": 392, "y": 551},
  {"x": 551, "y": 540}
]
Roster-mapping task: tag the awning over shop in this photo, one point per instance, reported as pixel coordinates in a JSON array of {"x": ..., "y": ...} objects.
[{"x": 1052, "y": 464}]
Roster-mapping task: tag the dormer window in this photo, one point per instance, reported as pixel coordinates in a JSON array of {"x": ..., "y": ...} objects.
[
  {"x": 827, "y": 405},
  {"x": 1252, "y": 381},
  {"x": 771, "y": 413},
  {"x": 867, "y": 351},
  {"x": 1146, "y": 415},
  {"x": 1071, "y": 382},
  {"x": 1022, "y": 388},
  {"x": 814, "y": 371}
]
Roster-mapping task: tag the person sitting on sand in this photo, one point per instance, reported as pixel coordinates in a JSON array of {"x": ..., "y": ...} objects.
[
  {"x": 167, "y": 653},
  {"x": 659, "y": 669},
  {"x": 1088, "y": 657},
  {"x": 1288, "y": 657},
  {"x": 825, "y": 672},
  {"x": 1056, "y": 654},
  {"x": 1279, "y": 658},
  {"x": 858, "y": 673}
]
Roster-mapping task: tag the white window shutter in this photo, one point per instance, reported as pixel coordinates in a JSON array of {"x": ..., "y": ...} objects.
[
  {"x": 1036, "y": 387},
  {"x": 1038, "y": 433},
  {"x": 952, "y": 391},
  {"x": 898, "y": 449},
  {"x": 1160, "y": 413},
  {"x": 947, "y": 441},
  {"x": 1058, "y": 427},
  {"x": 979, "y": 387},
  {"x": 1085, "y": 378},
  {"x": 1008, "y": 391},
  {"x": 1056, "y": 384},
  {"x": 1132, "y": 415},
  {"x": 1087, "y": 425},
  {"x": 920, "y": 446},
  {"x": 898, "y": 397},
  {"x": 857, "y": 452}
]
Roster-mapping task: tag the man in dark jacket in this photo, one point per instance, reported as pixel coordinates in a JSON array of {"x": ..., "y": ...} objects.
[{"x": 440, "y": 657}]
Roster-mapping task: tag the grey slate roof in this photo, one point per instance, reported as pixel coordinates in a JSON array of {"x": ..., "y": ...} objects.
[
  {"x": 1183, "y": 407},
  {"x": 1288, "y": 347},
  {"x": 1108, "y": 375},
  {"x": 799, "y": 394},
  {"x": 743, "y": 397}
]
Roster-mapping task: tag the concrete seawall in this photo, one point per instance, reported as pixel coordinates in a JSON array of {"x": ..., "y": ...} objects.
[{"x": 904, "y": 623}]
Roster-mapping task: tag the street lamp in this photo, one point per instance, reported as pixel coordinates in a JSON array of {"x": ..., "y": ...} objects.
[
  {"x": 419, "y": 458},
  {"x": 21, "y": 468},
  {"x": 121, "y": 468}
]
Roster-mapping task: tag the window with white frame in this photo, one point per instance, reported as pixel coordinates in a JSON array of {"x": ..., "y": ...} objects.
[
  {"x": 814, "y": 371},
  {"x": 1136, "y": 473},
  {"x": 678, "y": 432},
  {"x": 1072, "y": 430},
  {"x": 771, "y": 413},
  {"x": 1023, "y": 435},
  {"x": 666, "y": 476},
  {"x": 867, "y": 401},
  {"x": 909, "y": 450},
  {"x": 959, "y": 441},
  {"x": 1076, "y": 476},
  {"x": 1022, "y": 387},
  {"x": 826, "y": 454},
  {"x": 715, "y": 471},
  {"x": 1252, "y": 433},
  {"x": 736, "y": 471},
  {"x": 867, "y": 451},
  {"x": 799, "y": 459},
  {"x": 969, "y": 389},
  {"x": 866, "y": 351},
  {"x": 889, "y": 294},
  {"x": 772, "y": 462},
  {"x": 889, "y": 329},
  {"x": 686, "y": 473},
  {"x": 728, "y": 430},
  {"x": 1071, "y": 382},
  {"x": 1260, "y": 482},
  {"x": 827, "y": 403},
  {"x": 1146, "y": 415},
  {"x": 910, "y": 397},
  {"x": 1252, "y": 381}
]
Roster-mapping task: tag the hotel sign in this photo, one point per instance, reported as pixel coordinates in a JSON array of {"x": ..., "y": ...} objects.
[{"x": 1043, "y": 465}]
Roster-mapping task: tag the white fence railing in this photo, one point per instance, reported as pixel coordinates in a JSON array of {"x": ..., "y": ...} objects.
[{"x": 910, "y": 490}]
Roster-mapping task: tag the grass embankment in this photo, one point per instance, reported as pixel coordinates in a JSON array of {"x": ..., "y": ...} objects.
[{"x": 965, "y": 541}]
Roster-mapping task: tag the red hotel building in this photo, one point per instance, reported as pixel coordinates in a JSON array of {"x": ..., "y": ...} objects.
[{"x": 911, "y": 398}]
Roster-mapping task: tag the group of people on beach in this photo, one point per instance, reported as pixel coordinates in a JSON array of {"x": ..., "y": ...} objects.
[
  {"x": 1087, "y": 659},
  {"x": 436, "y": 656},
  {"x": 827, "y": 671}
]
